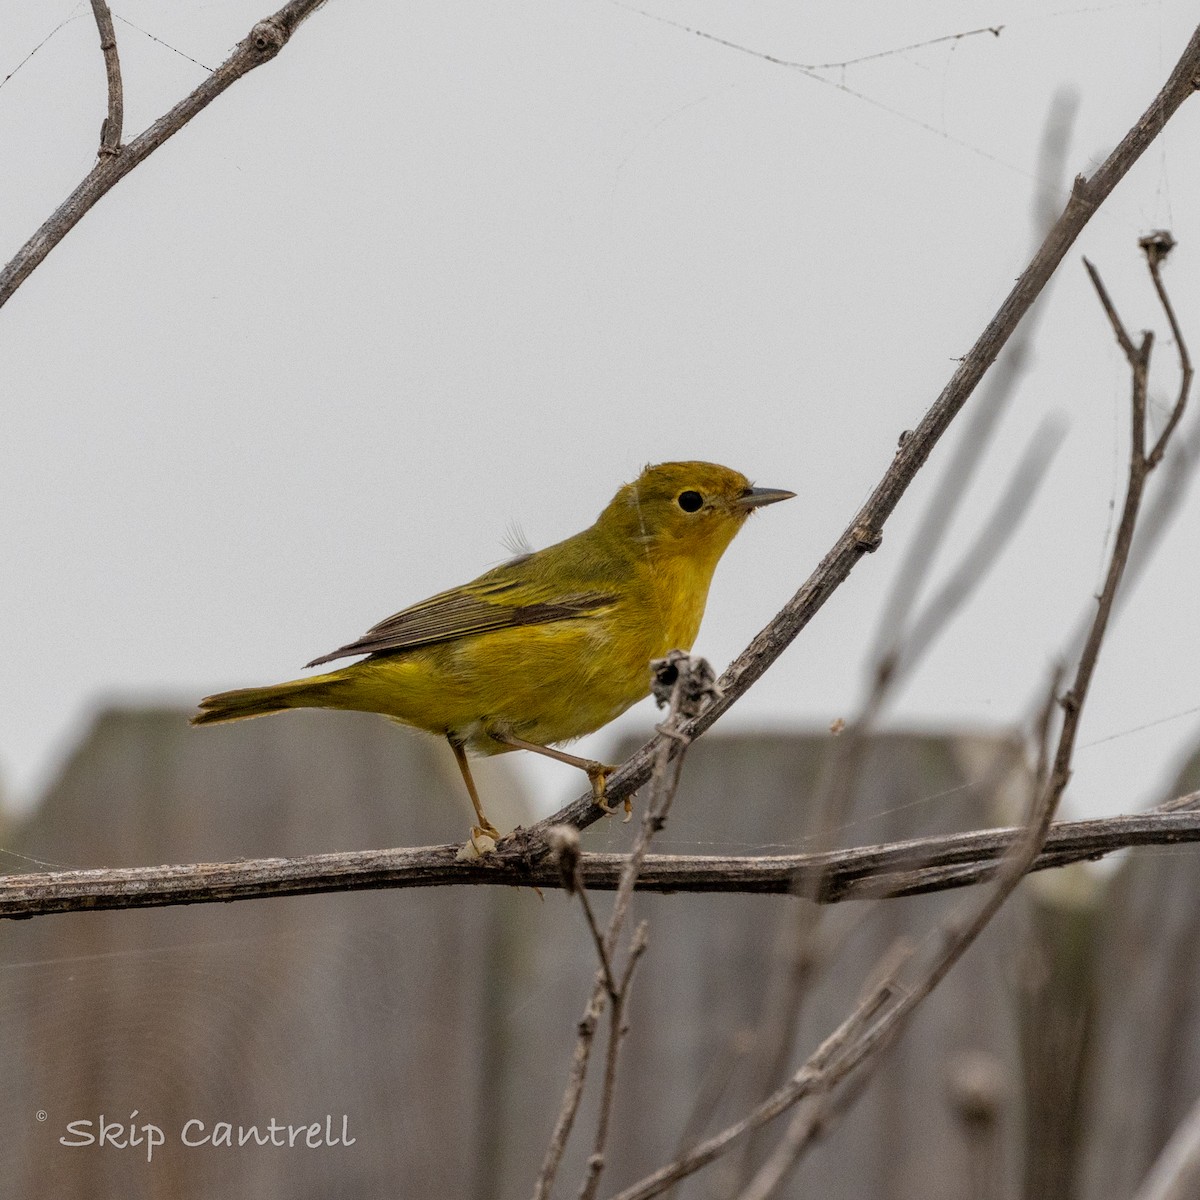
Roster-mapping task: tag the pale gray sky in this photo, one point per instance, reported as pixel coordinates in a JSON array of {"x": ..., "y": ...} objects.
[{"x": 439, "y": 268}]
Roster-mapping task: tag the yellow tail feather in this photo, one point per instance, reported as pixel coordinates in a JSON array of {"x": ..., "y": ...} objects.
[{"x": 259, "y": 702}]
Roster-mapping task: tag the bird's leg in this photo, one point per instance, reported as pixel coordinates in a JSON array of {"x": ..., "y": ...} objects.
[
  {"x": 485, "y": 827},
  {"x": 597, "y": 772}
]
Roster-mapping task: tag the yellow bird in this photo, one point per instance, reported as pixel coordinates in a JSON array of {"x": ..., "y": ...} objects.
[{"x": 549, "y": 646}]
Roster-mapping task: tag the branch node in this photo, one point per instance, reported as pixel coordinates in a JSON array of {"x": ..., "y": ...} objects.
[
  {"x": 106, "y": 150},
  {"x": 866, "y": 539},
  {"x": 268, "y": 38}
]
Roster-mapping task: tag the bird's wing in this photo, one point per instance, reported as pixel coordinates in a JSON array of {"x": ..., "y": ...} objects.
[{"x": 486, "y": 604}]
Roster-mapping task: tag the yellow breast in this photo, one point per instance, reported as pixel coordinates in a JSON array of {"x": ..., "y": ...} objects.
[{"x": 543, "y": 683}]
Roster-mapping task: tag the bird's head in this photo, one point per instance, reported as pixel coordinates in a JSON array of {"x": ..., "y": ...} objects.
[{"x": 690, "y": 508}]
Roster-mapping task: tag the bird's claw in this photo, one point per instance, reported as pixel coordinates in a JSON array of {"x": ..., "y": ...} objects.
[
  {"x": 481, "y": 842},
  {"x": 598, "y": 773}
]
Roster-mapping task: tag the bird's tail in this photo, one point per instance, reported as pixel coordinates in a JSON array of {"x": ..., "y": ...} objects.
[{"x": 318, "y": 692}]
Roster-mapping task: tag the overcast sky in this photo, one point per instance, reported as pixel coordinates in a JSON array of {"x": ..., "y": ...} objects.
[{"x": 441, "y": 268}]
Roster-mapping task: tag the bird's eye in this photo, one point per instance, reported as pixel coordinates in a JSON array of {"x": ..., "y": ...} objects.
[{"x": 690, "y": 501}]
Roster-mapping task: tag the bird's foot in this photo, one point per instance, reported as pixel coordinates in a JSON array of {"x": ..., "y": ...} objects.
[
  {"x": 481, "y": 842},
  {"x": 598, "y": 773}
]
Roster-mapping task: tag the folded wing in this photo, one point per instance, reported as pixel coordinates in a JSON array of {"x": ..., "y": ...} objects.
[{"x": 476, "y": 608}]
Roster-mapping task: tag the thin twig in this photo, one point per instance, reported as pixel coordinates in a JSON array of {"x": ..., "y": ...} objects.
[
  {"x": 1052, "y": 776},
  {"x": 564, "y": 846},
  {"x": 812, "y": 1120},
  {"x": 260, "y": 45},
  {"x": 844, "y": 763},
  {"x": 616, "y": 1034},
  {"x": 950, "y": 489},
  {"x": 897, "y": 657},
  {"x": 110, "y": 130},
  {"x": 1180, "y": 467},
  {"x": 1157, "y": 246},
  {"x": 684, "y": 684}
]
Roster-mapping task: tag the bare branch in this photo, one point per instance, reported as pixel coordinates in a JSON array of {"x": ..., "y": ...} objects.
[
  {"x": 1157, "y": 246},
  {"x": 564, "y": 847},
  {"x": 864, "y": 532},
  {"x": 1123, "y": 338},
  {"x": 981, "y": 421},
  {"x": 110, "y": 131},
  {"x": 616, "y": 1034},
  {"x": 857, "y": 1040},
  {"x": 572, "y": 1094},
  {"x": 907, "y": 868},
  {"x": 260, "y": 45}
]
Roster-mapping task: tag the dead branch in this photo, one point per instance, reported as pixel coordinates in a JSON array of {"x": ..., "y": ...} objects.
[
  {"x": 865, "y": 531},
  {"x": 259, "y": 46},
  {"x": 110, "y": 130},
  {"x": 907, "y": 868}
]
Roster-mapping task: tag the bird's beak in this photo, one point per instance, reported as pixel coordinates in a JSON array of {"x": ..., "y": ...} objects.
[{"x": 755, "y": 497}]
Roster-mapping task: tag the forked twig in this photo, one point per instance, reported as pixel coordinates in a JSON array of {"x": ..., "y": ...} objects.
[{"x": 259, "y": 46}]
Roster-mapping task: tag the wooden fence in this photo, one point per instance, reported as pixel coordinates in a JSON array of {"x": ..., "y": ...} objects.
[{"x": 1052, "y": 1062}]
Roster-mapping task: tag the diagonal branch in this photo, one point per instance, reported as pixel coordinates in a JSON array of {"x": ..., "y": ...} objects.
[
  {"x": 865, "y": 531},
  {"x": 260, "y": 45}
]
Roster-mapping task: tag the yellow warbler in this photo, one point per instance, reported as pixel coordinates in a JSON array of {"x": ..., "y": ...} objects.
[{"x": 546, "y": 647}]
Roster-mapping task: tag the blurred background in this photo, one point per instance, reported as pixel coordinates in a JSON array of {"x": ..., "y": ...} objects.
[{"x": 442, "y": 271}]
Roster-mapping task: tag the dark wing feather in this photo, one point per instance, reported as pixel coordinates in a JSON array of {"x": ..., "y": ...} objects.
[{"x": 465, "y": 611}]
